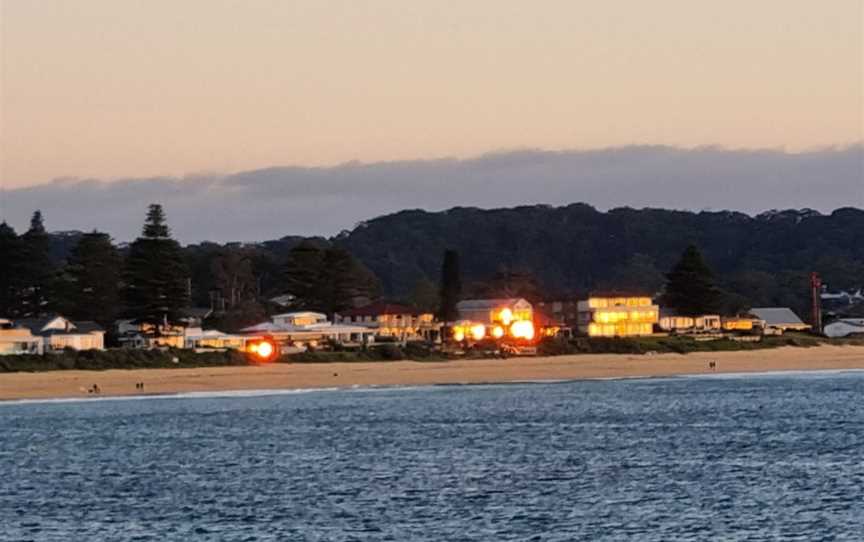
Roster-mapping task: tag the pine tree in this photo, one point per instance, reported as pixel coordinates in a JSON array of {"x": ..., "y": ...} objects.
[
  {"x": 690, "y": 288},
  {"x": 156, "y": 273},
  {"x": 94, "y": 279},
  {"x": 37, "y": 269},
  {"x": 327, "y": 279},
  {"x": 11, "y": 272},
  {"x": 451, "y": 287},
  {"x": 302, "y": 274}
]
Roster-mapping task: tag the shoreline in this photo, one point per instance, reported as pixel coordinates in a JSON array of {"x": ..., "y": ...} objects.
[{"x": 281, "y": 378}]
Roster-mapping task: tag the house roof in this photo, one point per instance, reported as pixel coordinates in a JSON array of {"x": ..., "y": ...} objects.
[
  {"x": 377, "y": 309},
  {"x": 37, "y": 326},
  {"x": 777, "y": 316},
  {"x": 483, "y": 304}
]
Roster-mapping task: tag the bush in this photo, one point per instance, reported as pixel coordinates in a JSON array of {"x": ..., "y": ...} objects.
[{"x": 98, "y": 360}]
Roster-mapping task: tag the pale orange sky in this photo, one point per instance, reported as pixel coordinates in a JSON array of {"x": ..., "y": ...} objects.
[{"x": 113, "y": 88}]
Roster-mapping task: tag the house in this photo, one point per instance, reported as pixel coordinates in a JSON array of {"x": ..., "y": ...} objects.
[
  {"x": 393, "y": 320},
  {"x": 18, "y": 340},
  {"x": 492, "y": 311},
  {"x": 617, "y": 315},
  {"x": 706, "y": 323},
  {"x": 844, "y": 327},
  {"x": 58, "y": 333},
  {"x": 306, "y": 328},
  {"x": 741, "y": 323},
  {"x": 496, "y": 318},
  {"x": 133, "y": 333},
  {"x": 779, "y": 318},
  {"x": 210, "y": 339}
]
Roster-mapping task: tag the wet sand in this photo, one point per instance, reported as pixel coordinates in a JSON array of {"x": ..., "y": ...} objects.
[{"x": 57, "y": 384}]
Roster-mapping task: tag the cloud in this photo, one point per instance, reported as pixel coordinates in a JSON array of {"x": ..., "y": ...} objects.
[{"x": 273, "y": 202}]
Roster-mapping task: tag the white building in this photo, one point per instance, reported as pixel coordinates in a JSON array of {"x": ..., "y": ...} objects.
[
  {"x": 58, "y": 333},
  {"x": 18, "y": 340},
  {"x": 779, "y": 318},
  {"x": 844, "y": 327},
  {"x": 310, "y": 329}
]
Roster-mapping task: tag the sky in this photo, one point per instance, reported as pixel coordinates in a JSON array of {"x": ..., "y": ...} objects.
[{"x": 278, "y": 92}]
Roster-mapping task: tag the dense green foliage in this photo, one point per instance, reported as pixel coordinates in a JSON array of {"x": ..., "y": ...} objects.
[
  {"x": 451, "y": 287},
  {"x": 575, "y": 249},
  {"x": 690, "y": 289},
  {"x": 538, "y": 252},
  {"x": 89, "y": 286},
  {"x": 36, "y": 269},
  {"x": 119, "y": 359},
  {"x": 156, "y": 273},
  {"x": 11, "y": 272},
  {"x": 327, "y": 278}
]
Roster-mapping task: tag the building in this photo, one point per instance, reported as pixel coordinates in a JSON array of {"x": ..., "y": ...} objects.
[
  {"x": 137, "y": 334},
  {"x": 779, "y": 318},
  {"x": 741, "y": 323},
  {"x": 707, "y": 323},
  {"x": 492, "y": 311},
  {"x": 18, "y": 340},
  {"x": 616, "y": 315},
  {"x": 58, "y": 333},
  {"x": 303, "y": 329},
  {"x": 211, "y": 339},
  {"x": 844, "y": 327},
  {"x": 392, "y": 320}
]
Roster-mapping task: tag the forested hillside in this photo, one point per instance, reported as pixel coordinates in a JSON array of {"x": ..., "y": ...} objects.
[
  {"x": 544, "y": 252},
  {"x": 571, "y": 250}
]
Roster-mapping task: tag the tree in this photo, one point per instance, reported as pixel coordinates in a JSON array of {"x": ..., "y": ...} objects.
[
  {"x": 36, "y": 268},
  {"x": 451, "y": 287},
  {"x": 425, "y": 295},
  {"x": 11, "y": 272},
  {"x": 93, "y": 279},
  {"x": 328, "y": 279},
  {"x": 690, "y": 288},
  {"x": 156, "y": 273}
]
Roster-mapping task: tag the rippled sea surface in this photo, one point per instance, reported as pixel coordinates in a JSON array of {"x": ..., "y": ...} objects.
[{"x": 725, "y": 458}]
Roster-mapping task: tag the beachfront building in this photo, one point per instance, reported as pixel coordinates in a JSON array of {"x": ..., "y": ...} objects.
[
  {"x": 779, "y": 319},
  {"x": 58, "y": 333},
  {"x": 145, "y": 335},
  {"x": 504, "y": 318},
  {"x": 400, "y": 322},
  {"x": 741, "y": 324},
  {"x": 616, "y": 315},
  {"x": 199, "y": 339},
  {"x": 492, "y": 311},
  {"x": 303, "y": 329},
  {"x": 844, "y": 327},
  {"x": 706, "y": 323},
  {"x": 18, "y": 340}
]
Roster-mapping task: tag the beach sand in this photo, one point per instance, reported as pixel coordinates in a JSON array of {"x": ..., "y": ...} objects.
[{"x": 57, "y": 384}]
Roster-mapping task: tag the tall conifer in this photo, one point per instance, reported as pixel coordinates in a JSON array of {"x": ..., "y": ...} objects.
[{"x": 156, "y": 273}]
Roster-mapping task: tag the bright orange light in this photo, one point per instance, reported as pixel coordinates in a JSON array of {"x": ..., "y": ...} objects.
[
  {"x": 458, "y": 334},
  {"x": 262, "y": 350},
  {"x": 497, "y": 332},
  {"x": 478, "y": 331},
  {"x": 506, "y": 316},
  {"x": 523, "y": 329}
]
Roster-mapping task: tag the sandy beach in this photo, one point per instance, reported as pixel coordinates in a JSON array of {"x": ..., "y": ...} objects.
[{"x": 57, "y": 384}]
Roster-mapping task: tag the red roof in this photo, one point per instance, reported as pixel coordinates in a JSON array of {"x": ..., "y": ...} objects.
[{"x": 378, "y": 309}]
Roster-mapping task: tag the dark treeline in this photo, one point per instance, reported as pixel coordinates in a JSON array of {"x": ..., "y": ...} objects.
[
  {"x": 537, "y": 252},
  {"x": 155, "y": 280}
]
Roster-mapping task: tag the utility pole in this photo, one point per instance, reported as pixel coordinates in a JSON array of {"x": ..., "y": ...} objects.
[{"x": 816, "y": 300}]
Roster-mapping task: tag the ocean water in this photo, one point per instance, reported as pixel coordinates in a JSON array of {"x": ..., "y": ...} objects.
[{"x": 736, "y": 458}]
